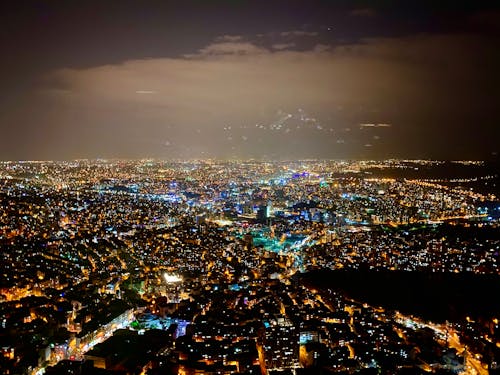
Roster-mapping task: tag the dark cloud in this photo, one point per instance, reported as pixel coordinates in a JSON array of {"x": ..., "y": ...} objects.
[
  {"x": 211, "y": 101},
  {"x": 299, "y": 33},
  {"x": 250, "y": 81},
  {"x": 281, "y": 46},
  {"x": 363, "y": 12},
  {"x": 229, "y": 38},
  {"x": 229, "y": 48}
]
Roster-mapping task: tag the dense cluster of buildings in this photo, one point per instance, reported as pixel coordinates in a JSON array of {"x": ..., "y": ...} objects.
[{"x": 195, "y": 267}]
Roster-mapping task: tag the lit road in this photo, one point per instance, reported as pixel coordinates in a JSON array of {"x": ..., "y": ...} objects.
[
  {"x": 78, "y": 353},
  {"x": 473, "y": 365}
]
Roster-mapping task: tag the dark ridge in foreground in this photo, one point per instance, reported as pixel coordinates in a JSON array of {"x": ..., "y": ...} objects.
[{"x": 433, "y": 296}]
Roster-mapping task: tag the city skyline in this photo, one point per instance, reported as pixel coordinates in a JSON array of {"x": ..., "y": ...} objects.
[
  {"x": 278, "y": 80},
  {"x": 290, "y": 268}
]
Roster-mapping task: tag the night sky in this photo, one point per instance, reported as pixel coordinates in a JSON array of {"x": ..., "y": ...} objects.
[{"x": 249, "y": 79}]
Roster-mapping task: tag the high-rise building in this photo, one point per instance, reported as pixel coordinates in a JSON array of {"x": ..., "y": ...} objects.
[
  {"x": 264, "y": 212},
  {"x": 281, "y": 344}
]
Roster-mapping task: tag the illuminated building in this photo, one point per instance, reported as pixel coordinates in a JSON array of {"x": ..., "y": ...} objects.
[{"x": 281, "y": 344}]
